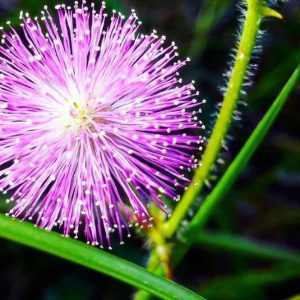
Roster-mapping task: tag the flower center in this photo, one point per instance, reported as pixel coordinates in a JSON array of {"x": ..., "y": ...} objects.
[{"x": 79, "y": 114}]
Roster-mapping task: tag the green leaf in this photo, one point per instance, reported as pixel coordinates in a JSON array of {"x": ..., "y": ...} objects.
[
  {"x": 92, "y": 258},
  {"x": 240, "y": 245},
  {"x": 242, "y": 159},
  {"x": 247, "y": 285}
]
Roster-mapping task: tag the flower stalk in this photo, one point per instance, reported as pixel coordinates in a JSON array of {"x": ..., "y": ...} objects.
[
  {"x": 254, "y": 14},
  {"x": 256, "y": 11}
]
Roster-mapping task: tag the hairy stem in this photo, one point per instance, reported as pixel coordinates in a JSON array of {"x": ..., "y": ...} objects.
[
  {"x": 244, "y": 51},
  {"x": 193, "y": 232},
  {"x": 253, "y": 15}
]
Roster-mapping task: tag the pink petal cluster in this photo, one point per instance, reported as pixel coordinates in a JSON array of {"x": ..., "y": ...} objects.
[{"x": 94, "y": 121}]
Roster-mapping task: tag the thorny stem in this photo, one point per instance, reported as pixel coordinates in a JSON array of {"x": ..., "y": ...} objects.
[{"x": 256, "y": 10}]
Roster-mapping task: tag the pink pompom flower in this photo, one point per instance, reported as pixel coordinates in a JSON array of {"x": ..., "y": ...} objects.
[{"x": 94, "y": 121}]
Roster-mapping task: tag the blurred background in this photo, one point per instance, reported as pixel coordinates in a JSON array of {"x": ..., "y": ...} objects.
[{"x": 265, "y": 202}]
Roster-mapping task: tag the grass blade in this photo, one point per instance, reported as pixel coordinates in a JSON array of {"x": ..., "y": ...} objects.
[
  {"x": 238, "y": 244},
  {"x": 253, "y": 284},
  {"x": 93, "y": 258}
]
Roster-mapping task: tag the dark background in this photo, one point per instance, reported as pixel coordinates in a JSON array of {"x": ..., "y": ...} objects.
[{"x": 264, "y": 203}]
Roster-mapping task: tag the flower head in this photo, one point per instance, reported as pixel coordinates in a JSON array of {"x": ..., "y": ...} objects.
[{"x": 94, "y": 121}]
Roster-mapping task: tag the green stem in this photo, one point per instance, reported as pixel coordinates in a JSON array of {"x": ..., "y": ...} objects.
[
  {"x": 235, "y": 83},
  {"x": 243, "y": 55},
  {"x": 242, "y": 158},
  {"x": 235, "y": 169},
  {"x": 92, "y": 258},
  {"x": 254, "y": 14},
  {"x": 232, "y": 173}
]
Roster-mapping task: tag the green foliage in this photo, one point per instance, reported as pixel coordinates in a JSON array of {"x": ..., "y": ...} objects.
[
  {"x": 252, "y": 281},
  {"x": 232, "y": 94},
  {"x": 191, "y": 233},
  {"x": 242, "y": 158},
  {"x": 242, "y": 246},
  {"x": 92, "y": 258}
]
